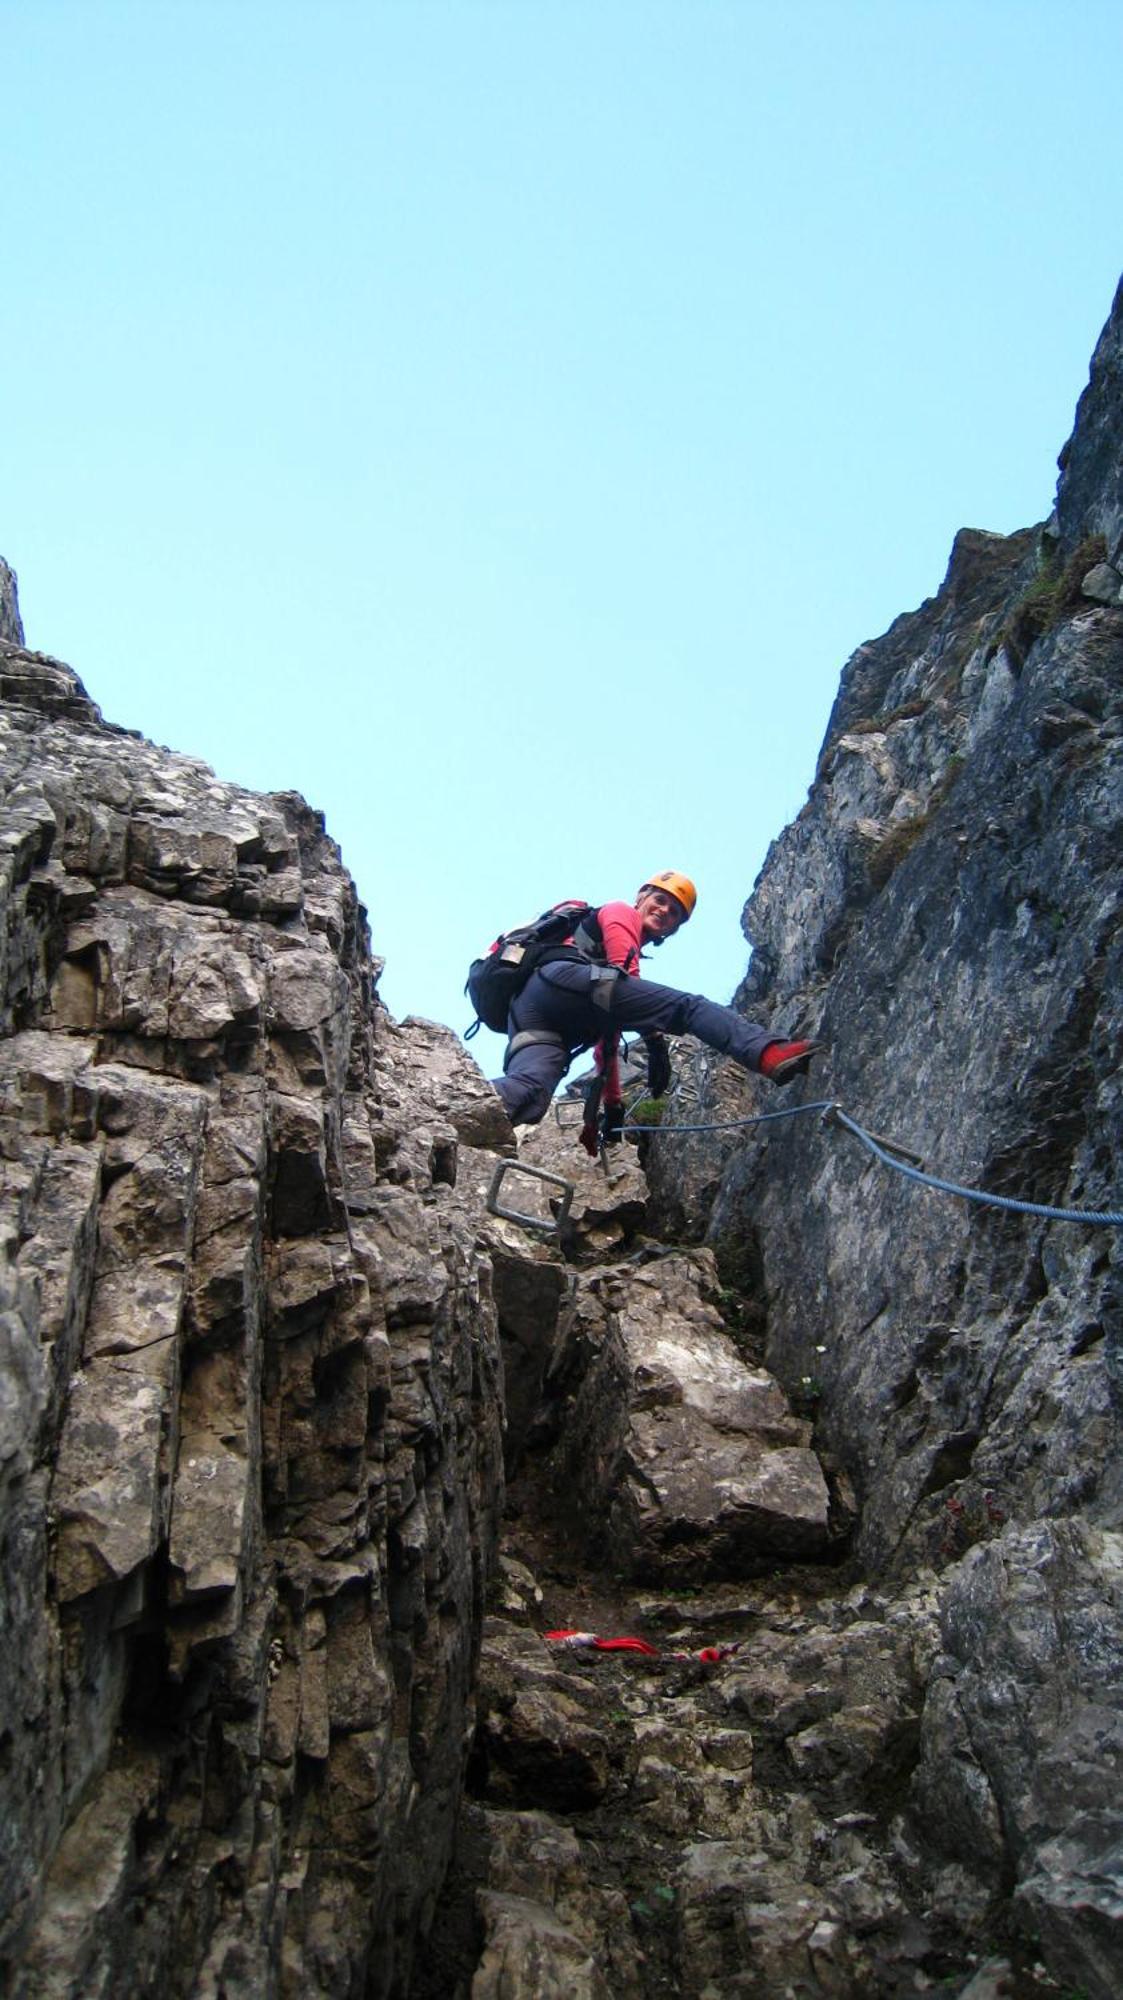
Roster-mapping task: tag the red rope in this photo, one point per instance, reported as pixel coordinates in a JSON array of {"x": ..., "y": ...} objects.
[{"x": 591, "y": 1642}]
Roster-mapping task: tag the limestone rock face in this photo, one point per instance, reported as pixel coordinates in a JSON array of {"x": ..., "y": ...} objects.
[
  {"x": 947, "y": 914},
  {"x": 1090, "y": 494},
  {"x": 250, "y": 1453},
  {"x": 975, "y": 1017},
  {"x": 10, "y": 624},
  {"x": 684, "y": 1461},
  {"x": 271, "y": 1329},
  {"x": 736, "y": 1820},
  {"x": 1023, "y": 1731}
]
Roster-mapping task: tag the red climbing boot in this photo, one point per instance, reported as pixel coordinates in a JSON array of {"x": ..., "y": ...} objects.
[{"x": 783, "y": 1060}]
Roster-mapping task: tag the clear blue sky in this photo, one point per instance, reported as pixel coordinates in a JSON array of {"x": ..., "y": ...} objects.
[{"x": 500, "y": 422}]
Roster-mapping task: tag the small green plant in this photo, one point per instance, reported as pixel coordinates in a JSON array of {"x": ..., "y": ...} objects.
[
  {"x": 1053, "y": 594},
  {"x": 903, "y": 836},
  {"x": 732, "y": 1307},
  {"x": 889, "y": 853},
  {"x": 656, "y": 1906},
  {"x": 807, "y": 1396},
  {"x": 647, "y": 1111},
  {"x": 876, "y": 725}
]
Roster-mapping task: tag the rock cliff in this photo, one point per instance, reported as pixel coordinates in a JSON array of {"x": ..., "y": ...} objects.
[
  {"x": 333, "y": 1446},
  {"x": 945, "y": 913},
  {"x": 250, "y": 1459},
  {"x": 10, "y": 626}
]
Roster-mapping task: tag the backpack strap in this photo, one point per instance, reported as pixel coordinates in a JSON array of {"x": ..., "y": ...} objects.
[
  {"x": 585, "y": 941},
  {"x": 587, "y": 936}
]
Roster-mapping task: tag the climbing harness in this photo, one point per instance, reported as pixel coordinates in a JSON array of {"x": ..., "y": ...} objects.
[
  {"x": 530, "y": 1037},
  {"x": 572, "y": 1641},
  {"x": 899, "y": 1158}
]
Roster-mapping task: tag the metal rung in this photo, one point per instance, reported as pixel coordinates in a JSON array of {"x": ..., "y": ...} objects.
[{"x": 552, "y": 1223}]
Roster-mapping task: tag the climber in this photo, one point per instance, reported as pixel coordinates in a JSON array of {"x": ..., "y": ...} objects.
[{"x": 581, "y": 1001}]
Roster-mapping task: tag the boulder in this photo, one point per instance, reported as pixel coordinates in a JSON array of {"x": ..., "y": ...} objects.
[{"x": 684, "y": 1460}]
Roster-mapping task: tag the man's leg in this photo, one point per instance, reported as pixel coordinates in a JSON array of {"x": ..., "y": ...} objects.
[
  {"x": 532, "y": 1074},
  {"x": 642, "y": 1006},
  {"x": 530, "y": 1079},
  {"x": 566, "y": 998}
]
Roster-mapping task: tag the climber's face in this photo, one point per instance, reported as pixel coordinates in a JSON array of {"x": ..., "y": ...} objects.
[{"x": 661, "y": 914}]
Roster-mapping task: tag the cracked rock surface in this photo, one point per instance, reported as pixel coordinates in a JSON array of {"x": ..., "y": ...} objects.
[
  {"x": 250, "y": 1445},
  {"x": 340, "y": 1428}
]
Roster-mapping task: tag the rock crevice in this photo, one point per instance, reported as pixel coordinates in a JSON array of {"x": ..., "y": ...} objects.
[{"x": 293, "y": 1701}]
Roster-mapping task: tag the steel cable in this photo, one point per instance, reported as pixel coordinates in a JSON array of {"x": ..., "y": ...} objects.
[{"x": 834, "y": 1113}]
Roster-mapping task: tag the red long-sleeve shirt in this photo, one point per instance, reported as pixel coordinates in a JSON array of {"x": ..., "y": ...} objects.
[{"x": 621, "y": 929}]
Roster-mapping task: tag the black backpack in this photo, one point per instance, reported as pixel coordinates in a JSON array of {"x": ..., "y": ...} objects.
[{"x": 495, "y": 980}]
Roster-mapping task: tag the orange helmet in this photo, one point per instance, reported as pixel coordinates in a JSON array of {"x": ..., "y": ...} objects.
[{"x": 678, "y": 886}]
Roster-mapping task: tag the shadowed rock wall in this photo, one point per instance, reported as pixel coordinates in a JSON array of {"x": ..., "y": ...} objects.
[
  {"x": 946, "y": 913},
  {"x": 250, "y": 1457}
]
